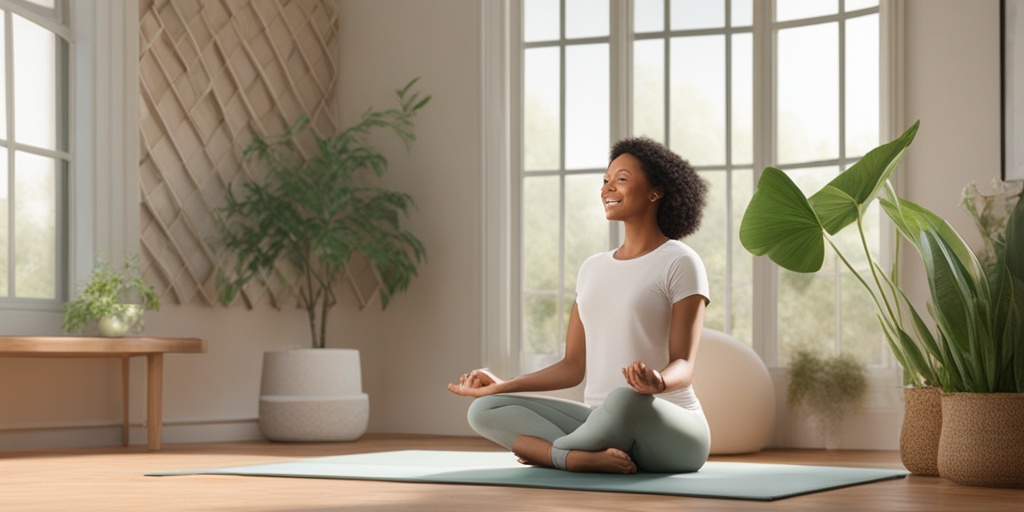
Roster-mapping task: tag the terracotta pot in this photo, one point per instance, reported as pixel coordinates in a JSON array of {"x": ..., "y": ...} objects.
[
  {"x": 982, "y": 441},
  {"x": 922, "y": 426}
]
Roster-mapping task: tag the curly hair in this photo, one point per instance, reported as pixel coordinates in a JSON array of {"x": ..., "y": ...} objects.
[{"x": 681, "y": 208}]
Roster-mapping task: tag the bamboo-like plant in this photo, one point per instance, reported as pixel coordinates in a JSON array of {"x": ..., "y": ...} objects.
[
  {"x": 313, "y": 214},
  {"x": 977, "y": 343}
]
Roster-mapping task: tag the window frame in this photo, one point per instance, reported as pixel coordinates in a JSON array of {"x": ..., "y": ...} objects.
[
  {"x": 101, "y": 194},
  {"x": 502, "y": 119},
  {"x": 55, "y": 21}
]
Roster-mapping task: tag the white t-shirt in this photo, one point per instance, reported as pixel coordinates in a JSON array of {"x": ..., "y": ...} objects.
[{"x": 626, "y": 309}]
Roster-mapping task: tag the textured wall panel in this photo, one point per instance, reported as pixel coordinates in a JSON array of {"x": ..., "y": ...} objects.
[{"x": 211, "y": 72}]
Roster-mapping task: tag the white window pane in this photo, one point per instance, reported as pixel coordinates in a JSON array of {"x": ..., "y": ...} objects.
[
  {"x": 586, "y": 18},
  {"x": 35, "y": 84},
  {"x": 541, "y": 106},
  {"x": 741, "y": 302},
  {"x": 35, "y": 227},
  {"x": 862, "y": 338},
  {"x": 742, "y": 13},
  {"x": 586, "y": 229},
  {"x": 5, "y": 199},
  {"x": 811, "y": 180},
  {"x": 786, "y": 10},
  {"x": 862, "y": 87},
  {"x": 742, "y": 99},
  {"x": 541, "y": 197},
  {"x": 710, "y": 241},
  {"x": 649, "y": 15},
  {"x": 808, "y": 94},
  {"x": 3, "y": 79},
  {"x": 649, "y": 88},
  {"x": 691, "y": 14},
  {"x": 806, "y": 312},
  {"x": 856, "y": 5},
  {"x": 697, "y": 102},
  {"x": 587, "y": 106},
  {"x": 49, "y": 4},
  {"x": 541, "y": 20}
]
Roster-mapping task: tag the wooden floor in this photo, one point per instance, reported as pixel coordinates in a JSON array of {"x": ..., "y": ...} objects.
[{"x": 110, "y": 479}]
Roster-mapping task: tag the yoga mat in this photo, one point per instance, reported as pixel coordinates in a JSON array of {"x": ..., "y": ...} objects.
[{"x": 737, "y": 480}]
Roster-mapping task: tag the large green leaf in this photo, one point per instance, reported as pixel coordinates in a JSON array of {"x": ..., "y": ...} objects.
[
  {"x": 839, "y": 203},
  {"x": 780, "y": 223}
]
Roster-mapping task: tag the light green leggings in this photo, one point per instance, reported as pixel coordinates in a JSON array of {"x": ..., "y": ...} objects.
[{"x": 659, "y": 436}]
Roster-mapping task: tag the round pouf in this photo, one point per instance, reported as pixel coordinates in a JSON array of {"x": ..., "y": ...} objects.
[
  {"x": 736, "y": 393},
  {"x": 982, "y": 440},
  {"x": 313, "y": 395}
]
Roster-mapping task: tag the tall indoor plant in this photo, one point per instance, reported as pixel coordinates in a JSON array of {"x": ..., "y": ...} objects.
[
  {"x": 307, "y": 216},
  {"x": 976, "y": 343}
]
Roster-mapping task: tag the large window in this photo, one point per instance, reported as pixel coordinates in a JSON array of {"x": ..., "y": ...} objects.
[
  {"x": 731, "y": 85},
  {"x": 34, "y": 151}
]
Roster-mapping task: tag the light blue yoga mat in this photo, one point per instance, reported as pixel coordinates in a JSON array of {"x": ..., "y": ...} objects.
[{"x": 738, "y": 480}]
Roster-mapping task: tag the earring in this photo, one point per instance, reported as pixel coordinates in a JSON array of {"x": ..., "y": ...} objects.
[{"x": 654, "y": 198}]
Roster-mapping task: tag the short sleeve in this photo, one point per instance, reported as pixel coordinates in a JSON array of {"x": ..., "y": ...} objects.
[{"x": 687, "y": 276}]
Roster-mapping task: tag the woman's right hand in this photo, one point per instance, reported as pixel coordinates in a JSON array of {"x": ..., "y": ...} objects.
[{"x": 477, "y": 383}]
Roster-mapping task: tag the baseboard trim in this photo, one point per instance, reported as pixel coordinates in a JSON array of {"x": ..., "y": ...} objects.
[{"x": 88, "y": 436}]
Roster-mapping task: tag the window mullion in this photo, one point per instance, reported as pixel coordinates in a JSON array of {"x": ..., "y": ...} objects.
[
  {"x": 8, "y": 22},
  {"x": 621, "y": 91},
  {"x": 765, "y": 278}
]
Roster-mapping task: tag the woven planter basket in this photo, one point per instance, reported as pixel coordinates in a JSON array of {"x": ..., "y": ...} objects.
[
  {"x": 922, "y": 427},
  {"x": 982, "y": 441}
]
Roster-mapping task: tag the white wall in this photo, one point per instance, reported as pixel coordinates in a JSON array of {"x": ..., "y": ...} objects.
[
  {"x": 431, "y": 334},
  {"x": 952, "y": 86}
]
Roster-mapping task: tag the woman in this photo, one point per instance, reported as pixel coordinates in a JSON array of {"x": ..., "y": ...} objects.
[{"x": 639, "y": 311}]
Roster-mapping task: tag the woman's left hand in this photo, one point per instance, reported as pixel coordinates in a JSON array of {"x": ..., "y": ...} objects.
[{"x": 643, "y": 379}]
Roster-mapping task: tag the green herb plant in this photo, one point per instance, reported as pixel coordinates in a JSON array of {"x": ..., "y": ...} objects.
[
  {"x": 111, "y": 300},
  {"x": 829, "y": 388},
  {"x": 977, "y": 343},
  {"x": 308, "y": 216}
]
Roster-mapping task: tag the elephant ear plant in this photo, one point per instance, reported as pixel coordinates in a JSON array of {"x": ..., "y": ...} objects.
[
  {"x": 310, "y": 215},
  {"x": 977, "y": 343}
]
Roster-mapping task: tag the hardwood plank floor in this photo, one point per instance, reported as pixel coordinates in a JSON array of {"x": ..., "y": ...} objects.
[{"x": 111, "y": 479}]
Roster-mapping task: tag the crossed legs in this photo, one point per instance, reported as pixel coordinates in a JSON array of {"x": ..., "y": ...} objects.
[{"x": 629, "y": 431}]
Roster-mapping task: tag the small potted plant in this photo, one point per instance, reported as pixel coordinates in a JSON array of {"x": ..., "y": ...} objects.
[
  {"x": 111, "y": 301},
  {"x": 828, "y": 388}
]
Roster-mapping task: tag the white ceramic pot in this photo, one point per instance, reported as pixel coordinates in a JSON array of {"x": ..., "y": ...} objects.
[
  {"x": 126, "y": 321},
  {"x": 313, "y": 395}
]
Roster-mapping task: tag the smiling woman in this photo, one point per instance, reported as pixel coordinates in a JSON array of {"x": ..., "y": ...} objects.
[{"x": 639, "y": 311}]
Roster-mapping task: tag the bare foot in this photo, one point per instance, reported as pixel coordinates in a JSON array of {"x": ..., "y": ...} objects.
[
  {"x": 611, "y": 460},
  {"x": 524, "y": 461}
]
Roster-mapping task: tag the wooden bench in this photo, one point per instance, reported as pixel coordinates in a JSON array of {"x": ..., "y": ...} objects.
[{"x": 124, "y": 348}]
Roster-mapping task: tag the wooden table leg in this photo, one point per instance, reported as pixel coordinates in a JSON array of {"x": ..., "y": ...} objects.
[
  {"x": 154, "y": 399},
  {"x": 125, "y": 368}
]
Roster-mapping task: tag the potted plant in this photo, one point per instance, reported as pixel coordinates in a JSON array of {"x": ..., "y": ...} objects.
[
  {"x": 307, "y": 216},
  {"x": 829, "y": 388},
  {"x": 975, "y": 347},
  {"x": 111, "y": 302}
]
